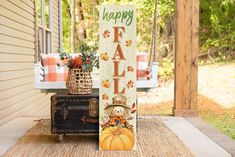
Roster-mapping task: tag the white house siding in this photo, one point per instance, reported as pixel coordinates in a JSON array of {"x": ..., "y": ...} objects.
[
  {"x": 17, "y": 48},
  {"x": 55, "y": 25}
]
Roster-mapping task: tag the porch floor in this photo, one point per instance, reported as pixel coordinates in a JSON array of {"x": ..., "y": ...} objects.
[{"x": 194, "y": 134}]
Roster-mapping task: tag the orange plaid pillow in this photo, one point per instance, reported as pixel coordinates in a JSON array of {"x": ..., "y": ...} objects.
[
  {"x": 142, "y": 66},
  {"x": 53, "y": 73}
]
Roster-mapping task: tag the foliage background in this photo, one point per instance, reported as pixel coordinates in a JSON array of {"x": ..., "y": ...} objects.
[{"x": 217, "y": 29}]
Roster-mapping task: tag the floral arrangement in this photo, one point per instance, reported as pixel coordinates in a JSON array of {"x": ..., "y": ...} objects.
[{"x": 85, "y": 61}]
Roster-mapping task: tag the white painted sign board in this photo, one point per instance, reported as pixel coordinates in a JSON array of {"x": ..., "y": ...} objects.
[{"x": 117, "y": 50}]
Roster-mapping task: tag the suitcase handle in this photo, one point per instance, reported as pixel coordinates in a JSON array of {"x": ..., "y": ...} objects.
[
  {"x": 89, "y": 120},
  {"x": 64, "y": 111}
]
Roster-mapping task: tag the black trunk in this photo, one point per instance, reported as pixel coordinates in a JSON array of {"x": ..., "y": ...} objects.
[{"x": 74, "y": 114}]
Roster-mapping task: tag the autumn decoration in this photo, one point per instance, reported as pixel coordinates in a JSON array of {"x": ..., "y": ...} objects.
[
  {"x": 117, "y": 127},
  {"x": 128, "y": 43},
  {"x": 106, "y": 34},
  {"x": 105, "y": 83},
  {"x": 85, "y": 60},
  {"x": 105, "y": 97},
  {"x": 79, "y": 79},
  {"x": 130, "y": 69},
  {"x": 117, "y": 51},
  {"x": 117, "y": 138},
  {"x": 104, "y": 56},
  {"x": 130, "y": 84}
]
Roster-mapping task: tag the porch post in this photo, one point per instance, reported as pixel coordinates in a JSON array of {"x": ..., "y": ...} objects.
[{"x": 187, "y": 48}]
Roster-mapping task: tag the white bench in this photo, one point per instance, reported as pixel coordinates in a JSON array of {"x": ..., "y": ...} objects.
[{"x": 141, "y": 84}]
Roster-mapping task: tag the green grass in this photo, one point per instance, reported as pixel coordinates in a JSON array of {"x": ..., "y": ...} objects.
[
  {"x": 216, "y": 61},
  {"x": 211, "y": 112},
  {"x": 225, "y": 122}
]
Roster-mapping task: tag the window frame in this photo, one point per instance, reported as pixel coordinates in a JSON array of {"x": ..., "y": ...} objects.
[{"x": 44, "y": 32}]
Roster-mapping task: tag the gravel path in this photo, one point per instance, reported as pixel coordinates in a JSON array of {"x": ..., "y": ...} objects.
[{"x": 216, "y": 82}]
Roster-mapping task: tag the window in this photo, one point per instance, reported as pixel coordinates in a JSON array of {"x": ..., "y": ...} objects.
[{"x": 44, "y": 26}]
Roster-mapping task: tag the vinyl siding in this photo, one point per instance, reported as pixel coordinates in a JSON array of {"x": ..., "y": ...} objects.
[
  {"x": 18, "y": 98},
  {"x": 55, "y": 26}
]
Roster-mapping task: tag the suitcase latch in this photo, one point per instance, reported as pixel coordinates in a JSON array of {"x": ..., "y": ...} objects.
[{"x": 93, "y": 107}]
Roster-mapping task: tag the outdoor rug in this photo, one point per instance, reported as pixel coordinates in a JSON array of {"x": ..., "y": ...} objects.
[{"x": 153, "y": 139}]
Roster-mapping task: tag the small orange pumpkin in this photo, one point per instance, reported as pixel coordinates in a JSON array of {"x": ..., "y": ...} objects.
[{"x": 117, "y": 138}]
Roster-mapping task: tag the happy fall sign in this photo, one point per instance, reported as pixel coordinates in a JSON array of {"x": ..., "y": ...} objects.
[{"x": 117, "y": 50}]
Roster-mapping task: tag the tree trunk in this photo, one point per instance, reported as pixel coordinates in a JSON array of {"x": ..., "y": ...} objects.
[
  {"x": 153, "y": 48},
  {"x": 81, "y": 25},
  {"x": 66, "y": 3},
  {"x": 72, "y": 39},
  {"x": 67, "y": 7}
]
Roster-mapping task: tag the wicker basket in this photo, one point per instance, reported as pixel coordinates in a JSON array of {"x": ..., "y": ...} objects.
[{"x": 79, "y": 82}]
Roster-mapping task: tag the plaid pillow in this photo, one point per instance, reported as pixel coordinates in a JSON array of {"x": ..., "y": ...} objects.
[
  {"x": 53, "y": 73},
  {"x": 142, "y": 72}
]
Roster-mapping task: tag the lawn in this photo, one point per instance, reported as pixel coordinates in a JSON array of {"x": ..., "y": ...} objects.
[{"x": 213, "y": 113}]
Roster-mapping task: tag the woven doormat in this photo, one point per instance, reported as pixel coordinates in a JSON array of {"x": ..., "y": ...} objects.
[{"x": 154, "y": 139}]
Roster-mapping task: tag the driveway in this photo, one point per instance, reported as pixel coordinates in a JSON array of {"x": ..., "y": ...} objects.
[{"x": 216, "y": 82}]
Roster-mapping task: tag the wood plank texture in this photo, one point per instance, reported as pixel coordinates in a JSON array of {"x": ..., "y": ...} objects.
[
  {"x": 24, "y": 6},
  {"x": 12, "y": 15},
  {"x": 9, "y": 84},
  {"x": 187, "y": 54},
  {"x": 180, "y": 49},
  {"x": 5, "y": 39},
  {"x": 13, "y": 32},
  {"x": 17, "y": 50},
  {"x": 18, "y": 10},
  {"x": 187, "y": 47},
  {"x": 55, "y": 26},
  {"x": 195, "y": 52},
  {"x": 24, "y": 107},
  {"x": 15, "y": 66},
  {"x": 15, "y": 24},
  {"x": 15, "y": 57},
  {"x": 16, "y": 74},
  {"x": 29, "y": 3},
  {"x": 8, "y": 48},
  {"x": 8, "y": 93},
  {"x": 21, "y": 98}
]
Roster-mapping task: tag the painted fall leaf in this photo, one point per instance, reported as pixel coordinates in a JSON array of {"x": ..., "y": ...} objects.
[
  {"x": 133, "y": 111},
  {"x": 105, "y": 83},
  {"x": 106, "y": 34},
  {"x": 105, "y": 97},
  {"x": 133, "y": 106},
  {"x": 104, "y": 56},
  {"x": 130, "y": 69},
  {"x": 130, "y": 118},
  {"x": 128, "y": 43},
  {"x": 130, "y": 84}
]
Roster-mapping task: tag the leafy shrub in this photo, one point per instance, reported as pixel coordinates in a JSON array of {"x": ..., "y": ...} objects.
[{"x": 166, "y": 69}]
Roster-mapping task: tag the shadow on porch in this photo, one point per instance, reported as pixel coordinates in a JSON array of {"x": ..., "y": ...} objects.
[{"x": 157, "y": 136}]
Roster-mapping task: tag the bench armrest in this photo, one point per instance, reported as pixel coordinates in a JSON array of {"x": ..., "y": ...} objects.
[
  {"x": 38, "y": 73},
  {"x": 154, "y": 70}
]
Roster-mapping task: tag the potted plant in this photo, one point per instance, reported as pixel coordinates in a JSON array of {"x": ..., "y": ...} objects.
[{"x": 79, "y": 79}]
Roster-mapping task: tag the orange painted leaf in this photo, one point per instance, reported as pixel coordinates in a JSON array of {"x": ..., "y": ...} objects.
[
  {"x": 133, "y": 111},
  {"x": 106, "y": 34},
  {"x": 133, "y": 105},
  {"x": 130, "y": 118}
]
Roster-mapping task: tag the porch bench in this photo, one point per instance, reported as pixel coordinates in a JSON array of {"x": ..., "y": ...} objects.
[{"x": 42, "y": 85}]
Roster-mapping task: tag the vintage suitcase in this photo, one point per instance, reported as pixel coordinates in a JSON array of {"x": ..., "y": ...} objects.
[{"x": 72, "y": 114}]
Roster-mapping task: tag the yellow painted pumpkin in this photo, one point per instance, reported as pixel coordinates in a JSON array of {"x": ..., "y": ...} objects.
[{"x": 117, "y": 138}]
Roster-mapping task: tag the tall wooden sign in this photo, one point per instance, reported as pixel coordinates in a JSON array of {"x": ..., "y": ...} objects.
[{"x": 117, "y": 48}]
